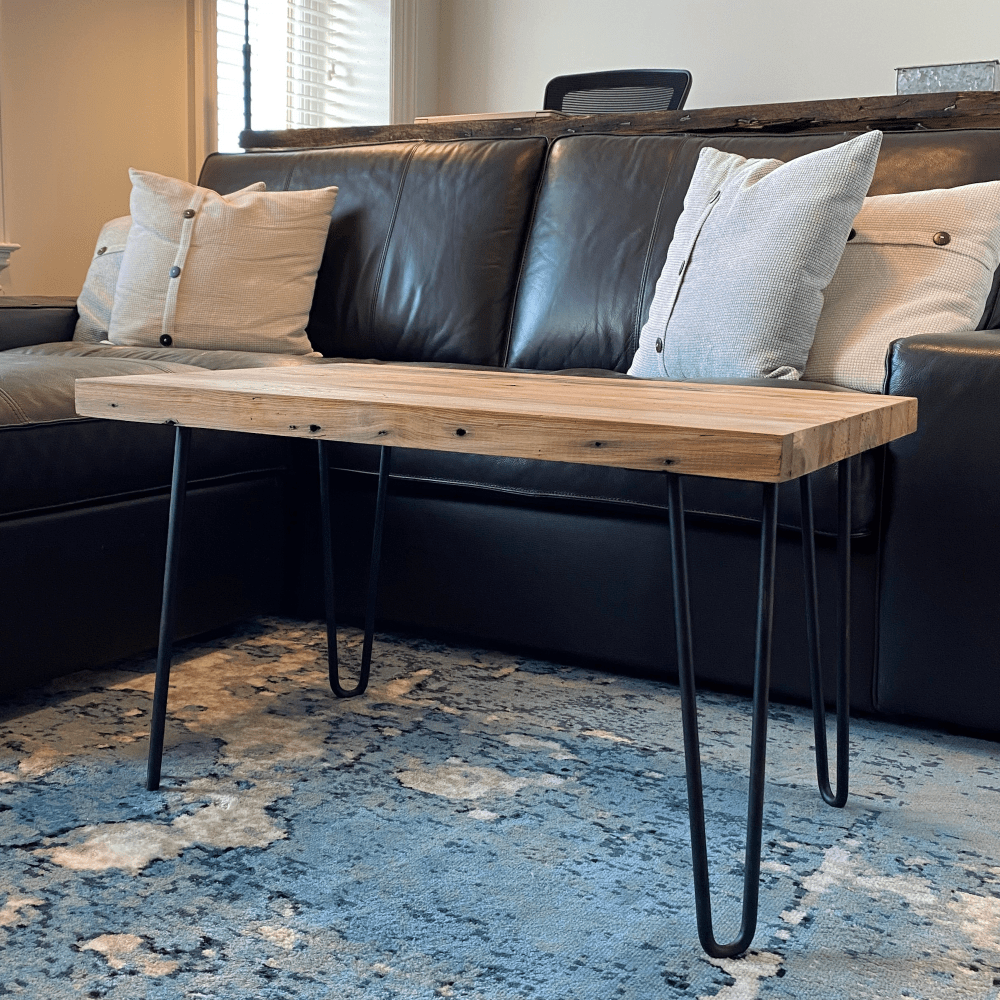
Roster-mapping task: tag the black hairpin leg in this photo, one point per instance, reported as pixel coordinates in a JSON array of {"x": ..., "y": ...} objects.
[
  {"x": 178, "y": 494},
  {"x": 844, "y": 624},
  {"x": 328, "y": 582},
  {"x": 689, "y": 717}
]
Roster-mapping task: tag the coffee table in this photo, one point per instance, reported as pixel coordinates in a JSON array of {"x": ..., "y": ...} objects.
[{"x": 765, "y": 434}]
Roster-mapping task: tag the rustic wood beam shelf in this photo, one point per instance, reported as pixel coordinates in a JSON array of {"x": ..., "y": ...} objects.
[{"x": 901, "y": 112}]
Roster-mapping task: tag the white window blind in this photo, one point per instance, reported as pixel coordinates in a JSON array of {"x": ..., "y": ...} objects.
[{"x": 314, "y": 63}]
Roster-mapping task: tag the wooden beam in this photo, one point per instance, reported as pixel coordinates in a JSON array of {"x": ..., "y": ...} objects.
[{"x": 900, "y": 112}]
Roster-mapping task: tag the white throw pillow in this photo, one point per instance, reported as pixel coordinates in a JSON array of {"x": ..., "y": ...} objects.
[
  {"x": 98, "y": 293},
  {"x": 231, "y": 272},
  {"x": 756, "y": 244},
  {"x": 920, "y": 262}
]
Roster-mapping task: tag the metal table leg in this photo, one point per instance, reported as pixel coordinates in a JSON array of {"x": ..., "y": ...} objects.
[
  {"x": 689, "y": 717},
  {"x": 178, "y": 494},
  {"x": 328, "y": 581},
  {"x": 839, "y": 797}
]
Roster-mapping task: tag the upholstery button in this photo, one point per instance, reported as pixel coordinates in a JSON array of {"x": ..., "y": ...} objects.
[
  {"x": 102, "y": 250},
  {"x": 175, "y": 271},
  {"x": 166, "y": 340},
  {"x": 659, "y": 345},
  {"x": 188, "y": 213},
  {"x": 851, "y": 235},
  {"x": 942, "y": 239}
]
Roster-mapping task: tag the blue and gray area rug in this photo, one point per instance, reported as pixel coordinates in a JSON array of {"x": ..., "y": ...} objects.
[{"x": 478, "y": 826}]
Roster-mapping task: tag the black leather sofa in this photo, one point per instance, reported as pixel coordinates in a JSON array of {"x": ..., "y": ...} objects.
[{"x": 525, "y": 254}]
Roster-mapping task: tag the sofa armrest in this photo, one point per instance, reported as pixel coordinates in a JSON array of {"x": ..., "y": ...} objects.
[
  {"x": 36, "y": 319},
  {"x": 939, "y": 655}
]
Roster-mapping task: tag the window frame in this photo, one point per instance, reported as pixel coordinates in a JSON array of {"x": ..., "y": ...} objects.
[{"x": 412, "y": 50}]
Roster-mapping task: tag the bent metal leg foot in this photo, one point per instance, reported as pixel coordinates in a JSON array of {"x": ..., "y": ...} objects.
[
  {"x": 689, "y": 717},
  {"x": 339, "y": 690},
  {"x": 838, "y": 798}
]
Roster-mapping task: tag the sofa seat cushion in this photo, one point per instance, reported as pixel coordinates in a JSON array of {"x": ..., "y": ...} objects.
[
  {"x": 53, "y": 459},
  {"x": 214, "y": 360},
  {"x": 527, "y": 480},
  {"x": 531, "y": 480}
]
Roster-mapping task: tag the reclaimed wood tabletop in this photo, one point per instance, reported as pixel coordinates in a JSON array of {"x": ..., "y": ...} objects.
[{"x": 758, "y": 433}]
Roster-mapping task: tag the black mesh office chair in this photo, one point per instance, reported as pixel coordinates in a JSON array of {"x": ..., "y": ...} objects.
[{"x": 618, "y": 90}]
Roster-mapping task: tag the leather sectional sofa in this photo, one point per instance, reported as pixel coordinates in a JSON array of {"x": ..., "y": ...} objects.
[{"x": 525, "y": 254}]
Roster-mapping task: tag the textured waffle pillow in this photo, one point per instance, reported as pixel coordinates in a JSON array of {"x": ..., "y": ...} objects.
[
  {"x": 98, "y": 293},
  {"x": 919, "y": 262},
  {"x": 756, "y": 244},
  {"x": 229, "y": 272}
]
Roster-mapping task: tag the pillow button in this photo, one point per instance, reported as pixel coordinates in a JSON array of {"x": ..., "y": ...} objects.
[
  {"x": 166, "y": 340},
  {"x": 659, "y": 345},
  {"x": 175, "y": 271},
  {"x": 942, "y": 239},
  {"x": 188, "y": 213},
  {"x": 102, "y": 250}
]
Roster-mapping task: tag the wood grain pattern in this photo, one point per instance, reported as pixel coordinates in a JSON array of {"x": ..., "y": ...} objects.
[
  {"x": 892, "y": 113},
  {"x": 734, "y": 432}
]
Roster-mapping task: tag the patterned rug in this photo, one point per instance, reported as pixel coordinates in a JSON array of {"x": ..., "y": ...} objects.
[{"x": 480, "y": 825}]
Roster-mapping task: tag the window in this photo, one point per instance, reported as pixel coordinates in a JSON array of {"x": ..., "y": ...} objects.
[{"x": 314, "y": 63}]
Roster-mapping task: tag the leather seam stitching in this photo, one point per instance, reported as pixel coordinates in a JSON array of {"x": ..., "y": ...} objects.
[
  {"x": 388, "y": 239},
  {"x": 18, "y": 412},
  {"x": 295, "y": 160},
  {"x": 524, "y": 253},
  {"x": 582, "y": 497},
  {"x": 145, "y": 493},
  {"x": 637, "y": 322},
  {"x": 28, "y": 424},
  {"x": 163, "y": 366}
]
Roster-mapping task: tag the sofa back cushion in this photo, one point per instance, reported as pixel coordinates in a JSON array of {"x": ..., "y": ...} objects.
[
  {"x": 597, "y": 244},
  {"x": 425, "y": 243},
  {"x": 606, "y": 214}
]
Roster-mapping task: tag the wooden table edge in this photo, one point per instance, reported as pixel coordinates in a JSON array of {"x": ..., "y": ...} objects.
[{"x": 789, "y": 462}]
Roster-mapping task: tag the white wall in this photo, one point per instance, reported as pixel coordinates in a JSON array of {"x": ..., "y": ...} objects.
[
  {"x": 88, "y": 88},
  {"x": 497, "y": 55}
]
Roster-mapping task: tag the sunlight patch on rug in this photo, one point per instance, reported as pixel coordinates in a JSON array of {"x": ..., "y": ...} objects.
[
  {"x": 231, "y": 819},
  {"x": 455, "y": 779},
  {"x": 122, "y": 950}
]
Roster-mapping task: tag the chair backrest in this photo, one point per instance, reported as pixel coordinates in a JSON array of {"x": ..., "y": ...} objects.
[{"x": 618, "y": 90}]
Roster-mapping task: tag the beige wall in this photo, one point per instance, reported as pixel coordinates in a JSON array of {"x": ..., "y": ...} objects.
[
  {"x": 497, "y": 55},
  {"x": 88, "y": 88}
]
